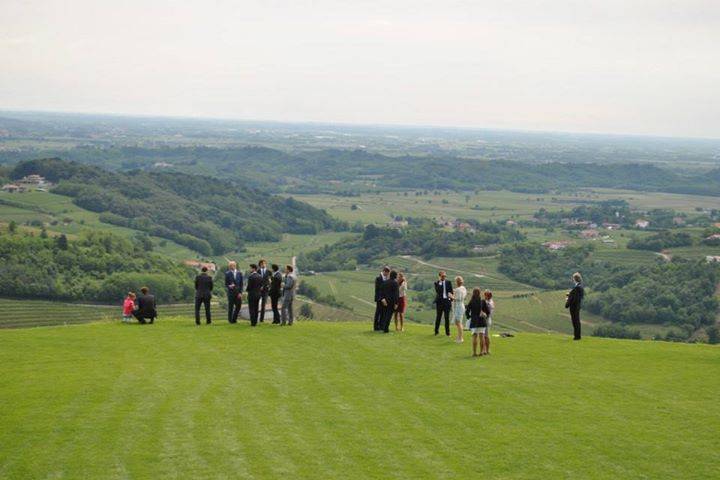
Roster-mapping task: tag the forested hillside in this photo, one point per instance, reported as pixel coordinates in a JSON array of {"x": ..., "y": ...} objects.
[
  {"x": 679, "y": 293},
  {"x": 97, "y": 267},
  {"x": 208, "y": 215}
]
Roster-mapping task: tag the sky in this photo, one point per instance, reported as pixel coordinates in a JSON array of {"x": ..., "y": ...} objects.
[{"x": 649, "y": 67}]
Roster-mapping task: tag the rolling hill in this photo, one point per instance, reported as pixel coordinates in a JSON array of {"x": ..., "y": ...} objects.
[{"x": 202, "y": 213}]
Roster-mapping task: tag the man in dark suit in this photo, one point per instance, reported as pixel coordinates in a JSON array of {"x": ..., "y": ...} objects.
[
  {"x": 443, "y": 302},
  {"x": 275, "y": 292},
  {"x": 390, "y": 299},
  {"x": 266, "y": 276},
  {"x": 379, "y": 307},
  {"x": 574, "y": 304},
  {"x": 254, "y": 291},
  {"x": 234, "y": 287},
  {"x": 146, "y": 307},
  {"x": 203, "y": 295}
]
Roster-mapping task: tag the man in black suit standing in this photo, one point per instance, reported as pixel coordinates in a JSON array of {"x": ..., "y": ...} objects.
[
  {"x": 254, "y": 291},
  {"x": 379, "y": 290},
  {"x": 146, "y": 307},
  {"x": 390, "y": 299},
  {"x": 443, "y": 302},
  {"x": 574, "y": 303},
  {"x": 234, "y": 287},
  {"x": 275, "y": 292},
  {"x": 266, "y": 276},
  {"x": 203, "y": 295}
]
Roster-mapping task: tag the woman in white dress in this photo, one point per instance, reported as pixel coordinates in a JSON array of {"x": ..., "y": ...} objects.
[{"x": 458, "y": 309}]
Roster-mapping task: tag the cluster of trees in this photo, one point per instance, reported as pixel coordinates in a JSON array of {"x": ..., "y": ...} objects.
[
  {"x": 202, "y": 213},
  {"x": 421, "y": 237},
  {"x": 96, "y": 267},
  {"x": 610, "y": 211},
  {"x": 617, "y": 331},
  {"x": 679, "y": 293},
  {"x": 661, "y": 241}
]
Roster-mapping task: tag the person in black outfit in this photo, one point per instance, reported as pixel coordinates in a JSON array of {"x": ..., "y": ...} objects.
[
  {"x": 443, "y": 302},
  {"x": 234, "y": 287},
  {"x": 203, "y": 294},
  {"x": 390, "y": 299},
  {"x": 275, "y": 292},
  {"x": 266, "y": 276},
  {"x": 478, "y": 311},
  {"x": 574, "y": 303},
  {"x": 146, "y": 307},
  {"x": 379, "y": 308},
  {"x": 254, "y": 291}
]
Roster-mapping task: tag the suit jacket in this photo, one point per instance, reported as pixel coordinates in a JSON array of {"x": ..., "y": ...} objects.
[
  {"x": 276, "y": 285},
  {"x": 439, "y": 290},
  {"x": 146, "y": 305},
  {"x": 234, "y": 282},
  {"x": 575, "y": 298},
  {"x": 203, "y": 286},
  {"x": 290, "y": 286},
  {"x": 379, "y": 281},
  {"x": 266, "y": 279},
  {"x": 254, "y": 284},
  {"x": 391, "y": 292}
]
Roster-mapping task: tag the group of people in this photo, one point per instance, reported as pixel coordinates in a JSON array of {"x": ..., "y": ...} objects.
[
  {"x": 476, "y": 315},
  {"x": 390, "y": 301},
  {"x": 260, "y": 284}
]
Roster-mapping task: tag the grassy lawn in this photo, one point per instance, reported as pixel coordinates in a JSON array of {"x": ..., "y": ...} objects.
[{"x": 331, "y": 400}]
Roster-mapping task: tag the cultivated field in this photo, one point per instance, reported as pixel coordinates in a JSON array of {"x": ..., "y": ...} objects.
[{"x": 324, "y": 400}]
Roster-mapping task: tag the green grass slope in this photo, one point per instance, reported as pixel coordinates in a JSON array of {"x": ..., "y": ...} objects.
[{"x": 331, "y": 400}]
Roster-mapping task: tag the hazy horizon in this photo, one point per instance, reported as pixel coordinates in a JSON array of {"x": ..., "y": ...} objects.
[{"x": 634, "y": 67}]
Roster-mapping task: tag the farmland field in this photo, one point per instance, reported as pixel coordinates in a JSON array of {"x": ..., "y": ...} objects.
[{"x": 333, "y": 400}]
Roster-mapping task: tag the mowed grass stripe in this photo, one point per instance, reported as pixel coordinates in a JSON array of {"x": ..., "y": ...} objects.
[{"x": 329, "y": 400}]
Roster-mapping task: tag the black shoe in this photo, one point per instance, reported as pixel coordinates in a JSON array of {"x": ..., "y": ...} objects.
[
  {"x": 197, "y": 323},
  {"x": 437, "y": 333},
  {"x": 208, "y": 323}
]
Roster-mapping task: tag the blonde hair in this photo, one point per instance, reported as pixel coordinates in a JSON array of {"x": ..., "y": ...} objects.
[
  {"x": 459, "y": 280},
  {"x": 577, "y": 277}
]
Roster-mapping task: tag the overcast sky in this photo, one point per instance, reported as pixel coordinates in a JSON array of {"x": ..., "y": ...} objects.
[{"x": 621, "y": 66}]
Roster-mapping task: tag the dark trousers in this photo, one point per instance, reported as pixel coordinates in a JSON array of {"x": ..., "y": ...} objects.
[
  {"x": 253, "y": 308},
  {"x": 378, "y": 319},
  {"x": 442, "y": 307},
  {"x": 140, "y": 316},
  {"x": 276, "y": 313},
  {"x": 387, "y": 318},
  {"x": 234, "y": 299},
  {"x": 575, "y": 317},
  {"x": 202, "y": 301},
  {"x": 263, "y": 301}
]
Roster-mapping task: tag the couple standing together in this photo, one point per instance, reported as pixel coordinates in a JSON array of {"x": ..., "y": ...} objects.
[
  {"x": 478, "y": 312},
  {"x": 261, "y": 284},
  {"x": 390, "y": 299}
]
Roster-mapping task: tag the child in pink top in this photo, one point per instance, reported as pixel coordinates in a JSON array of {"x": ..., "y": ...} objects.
[{"x": 128, "y": 307}]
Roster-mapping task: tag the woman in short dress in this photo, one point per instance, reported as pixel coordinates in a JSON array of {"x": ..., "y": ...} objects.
[
  {"x": 402, "y": 304},
  {"x": 458, "y": 309},
  {"x": 477, "y": 311}
]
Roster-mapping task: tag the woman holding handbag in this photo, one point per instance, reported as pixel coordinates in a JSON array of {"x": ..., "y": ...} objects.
[{"x": 477, "y": 311}]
